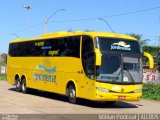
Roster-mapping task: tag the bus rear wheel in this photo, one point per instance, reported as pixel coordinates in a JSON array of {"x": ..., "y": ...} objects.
[
  {"x": 23, "y": 86},
  {"x": 72, "y": 94},
  {"x": 18, "y": 84}
]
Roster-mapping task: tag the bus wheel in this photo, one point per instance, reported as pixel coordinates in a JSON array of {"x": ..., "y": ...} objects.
[
  {"x": 18, "y": 85},
  {"x": 72, "y": 94},
  {"x": 23, "y": 86}
]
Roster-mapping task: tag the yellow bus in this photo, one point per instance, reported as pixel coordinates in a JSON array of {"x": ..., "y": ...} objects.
[{"x": 97, "y": 66}]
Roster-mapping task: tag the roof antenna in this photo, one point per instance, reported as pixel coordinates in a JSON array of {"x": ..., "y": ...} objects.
[{"x": 107, "y": 24}]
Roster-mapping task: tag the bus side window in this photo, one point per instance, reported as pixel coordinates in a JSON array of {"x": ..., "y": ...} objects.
[
  {"x": 70, "y": 47},
  {"x": 88, "y": 56}
]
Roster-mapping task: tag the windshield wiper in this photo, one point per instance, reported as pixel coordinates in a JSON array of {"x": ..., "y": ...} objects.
[
  {"x": 129, "y": 74},
  {"x": 119, "y": 72}
]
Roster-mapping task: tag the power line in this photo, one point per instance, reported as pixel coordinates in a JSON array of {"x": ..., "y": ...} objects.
[
  {"x": 134, "y": 12},
  {"x": 153, "y": 36},
  {"x": 96, "y": 18},
  {"x": 109, "y": 16}
]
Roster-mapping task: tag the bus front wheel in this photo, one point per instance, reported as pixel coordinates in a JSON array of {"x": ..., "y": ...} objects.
[{"x": 72, "y": 94}]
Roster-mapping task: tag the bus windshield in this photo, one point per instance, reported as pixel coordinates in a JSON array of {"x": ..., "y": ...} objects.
[
  {"x": 121, "y": 61},
  {"x": 110, "y": 69}
]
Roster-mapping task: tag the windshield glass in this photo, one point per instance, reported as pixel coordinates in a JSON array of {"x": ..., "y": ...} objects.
[
  {"x": 132, "y": 68},
  {"x": 121, "y": 61},
  {"x": 110, "y": 69},
  {"x": 117, "y": 68},
  {"x": 117, "y": 44}
]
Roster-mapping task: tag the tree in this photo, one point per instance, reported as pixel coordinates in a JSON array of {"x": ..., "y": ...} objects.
[
  {"x": 139, "y": 38},
  {"x": 154, "y": 51},
  {"x": 4, "y": 57}
]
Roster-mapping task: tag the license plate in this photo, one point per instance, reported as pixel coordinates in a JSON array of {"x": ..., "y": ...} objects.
[{"x": 121, "y": 97}]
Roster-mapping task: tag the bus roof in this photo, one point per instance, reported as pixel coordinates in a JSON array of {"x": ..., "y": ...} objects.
[{"x": 75, "y": 33}]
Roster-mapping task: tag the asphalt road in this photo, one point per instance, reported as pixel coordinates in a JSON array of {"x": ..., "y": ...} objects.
[{"x": 37, "y": 102}]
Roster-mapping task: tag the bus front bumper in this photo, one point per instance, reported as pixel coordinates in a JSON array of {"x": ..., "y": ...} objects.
[{"x": 100, "y": 96}]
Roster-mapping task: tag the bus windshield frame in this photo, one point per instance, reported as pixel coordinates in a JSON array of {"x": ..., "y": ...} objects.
[{"x": 120, "y": 64}]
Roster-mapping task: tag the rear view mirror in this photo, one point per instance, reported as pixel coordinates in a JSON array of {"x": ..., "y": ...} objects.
[{"x": 150, "y": 58}]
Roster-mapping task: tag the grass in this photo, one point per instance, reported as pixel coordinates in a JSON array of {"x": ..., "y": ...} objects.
[
  {"x": 2, "y": 77},
  {"x": 2, "y": 64},
  {"x": 151, "y": 91}
]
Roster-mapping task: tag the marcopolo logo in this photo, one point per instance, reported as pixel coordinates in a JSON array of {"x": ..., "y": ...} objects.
[
  {"x": 120, "y": 46},
  {"x": 48, "y": 77},
  {"x": 51, "y": 70}
]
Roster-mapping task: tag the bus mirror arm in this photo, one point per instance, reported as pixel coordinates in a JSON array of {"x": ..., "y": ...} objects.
[{"x": 98, "y": 57}]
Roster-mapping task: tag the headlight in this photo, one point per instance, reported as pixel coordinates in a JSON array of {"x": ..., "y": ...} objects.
[
  {"x": 137, "y": 91},
  {"x": 102, "y": 89}
]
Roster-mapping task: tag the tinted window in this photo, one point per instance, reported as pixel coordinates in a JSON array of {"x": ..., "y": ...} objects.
[
  {"x": 117, "y": 44},
  {"x": 69, "y": 46}
]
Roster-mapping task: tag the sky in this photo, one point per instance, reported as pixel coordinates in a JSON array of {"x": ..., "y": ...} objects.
[{"x": 124, "y": 16}]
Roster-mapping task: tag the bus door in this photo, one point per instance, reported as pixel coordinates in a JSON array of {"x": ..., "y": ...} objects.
[{"x": 88, "y": 63}]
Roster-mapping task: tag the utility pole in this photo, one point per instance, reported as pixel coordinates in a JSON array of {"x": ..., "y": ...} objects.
[
  {"x": 27, "y": 7},
  {"x": 47, "y": 20}
]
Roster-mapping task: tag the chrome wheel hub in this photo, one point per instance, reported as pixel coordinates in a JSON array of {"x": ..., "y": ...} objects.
[{"x": 72, "y": 93}]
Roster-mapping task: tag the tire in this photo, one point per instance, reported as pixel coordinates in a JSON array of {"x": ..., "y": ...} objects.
[
  {"x": 72, "y": 94},
  {"x": 18, "y": 84},
  {"x": 23, "y": 86}
]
